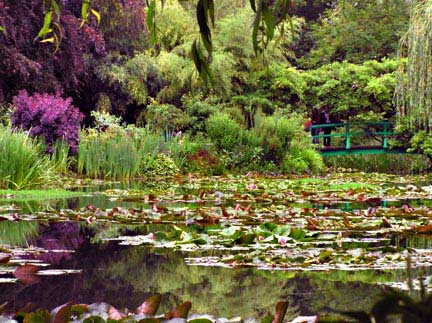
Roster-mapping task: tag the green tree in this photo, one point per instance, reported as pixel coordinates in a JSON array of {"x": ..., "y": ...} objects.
[
  {"x": 414, "y": 97},
  {"x": 357, "y": 31}
]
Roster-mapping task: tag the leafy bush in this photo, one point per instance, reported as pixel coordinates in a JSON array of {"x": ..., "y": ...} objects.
[
  {"x": 197, "y": 155},
  {"x": 224, "y": 132},
  {"x": 23, "y": 162},
  {"x": 303, "y": 157},
  {"x": 275, "y": 134},
  {"x": 165, "y": 117},
  {"x": 49, "y": 117},
  {"x": 276, "y": 142},
  {"x": 161, "y": 166},
  {"x": 421, "y": 142},
  {"x": 198, "y": 110},
  {"x": 104, "y": 120},
  {"x": 285, "y": 143}
]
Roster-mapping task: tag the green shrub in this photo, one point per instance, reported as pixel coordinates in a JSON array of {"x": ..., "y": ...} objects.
[
  {"x": 165, "y": 117},
  {"x": 197, "y": 156},
  {"x": 275, "y": 134},
  {"x": 313, "y": 160},
  {"x": 224, "y": 132},
  {"x": 103, "y": 120},
  {"x": 293, "y": 165},
  {"x": 198, "y": 110},
  {"x": 23, "y": 162},
  {"x": 301, "y": 158},
  {"x": 161, "y": 166},
  {"x": 421, "y": 142},
  {"x": 275, "y": 143}
]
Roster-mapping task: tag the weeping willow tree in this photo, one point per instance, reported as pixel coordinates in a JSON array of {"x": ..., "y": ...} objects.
[{"x": 414, "y": 89}]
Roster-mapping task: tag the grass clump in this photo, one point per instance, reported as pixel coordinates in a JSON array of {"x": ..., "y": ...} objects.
[{"x": 23, "y": 162}]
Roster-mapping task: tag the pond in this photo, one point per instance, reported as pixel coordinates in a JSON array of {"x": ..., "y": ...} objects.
[{"x": 233, "y": 246}]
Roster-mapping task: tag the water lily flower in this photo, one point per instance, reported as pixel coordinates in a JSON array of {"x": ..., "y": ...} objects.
[
  {"x": 282, "y": 241},
  {"x": 190, "y": 222},
  {"x": 252, "y": 186}
]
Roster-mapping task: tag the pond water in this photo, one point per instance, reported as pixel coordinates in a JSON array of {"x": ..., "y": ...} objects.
[{"x": 122, "y": 244}]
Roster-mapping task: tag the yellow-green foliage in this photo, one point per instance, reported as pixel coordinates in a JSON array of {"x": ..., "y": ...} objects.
[
  {"x": 160, "y": 166},
  {"x": 176, "y": 25}
]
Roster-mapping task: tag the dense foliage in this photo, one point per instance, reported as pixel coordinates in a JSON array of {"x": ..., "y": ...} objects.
[
  {"x": 338, "y": 54},
  {"x": 25, "y": 63},
  {"x": 357, "y": 31}
]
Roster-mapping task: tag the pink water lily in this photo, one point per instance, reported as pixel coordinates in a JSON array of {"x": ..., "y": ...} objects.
[
  {"x": 282, "y": 241},
  {"x": 252, "y": 186}
]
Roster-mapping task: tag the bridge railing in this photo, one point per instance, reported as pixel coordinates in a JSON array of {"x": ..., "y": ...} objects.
[{"x": 349, "y": 133}]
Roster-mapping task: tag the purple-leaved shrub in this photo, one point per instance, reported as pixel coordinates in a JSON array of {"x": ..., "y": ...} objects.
[{"x": 48, "y": 116}]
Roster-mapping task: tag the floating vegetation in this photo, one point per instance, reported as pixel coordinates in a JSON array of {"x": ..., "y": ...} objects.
[
  {"x": 145, "y": 313},
  {"x": 275, "y": 223}
]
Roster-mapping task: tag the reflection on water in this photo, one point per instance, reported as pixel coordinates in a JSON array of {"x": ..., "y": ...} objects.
[
  {"x": 18, "y": 233},
  {"x": 124, "y": 276}
]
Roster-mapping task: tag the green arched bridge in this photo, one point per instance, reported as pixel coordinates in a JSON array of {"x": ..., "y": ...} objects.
[{"x": 354, "y": 138}]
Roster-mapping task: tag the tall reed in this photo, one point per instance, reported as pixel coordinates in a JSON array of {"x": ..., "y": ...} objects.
[
  {"x": 117, "y": 155},
  {"x": 60, "y": 157}
]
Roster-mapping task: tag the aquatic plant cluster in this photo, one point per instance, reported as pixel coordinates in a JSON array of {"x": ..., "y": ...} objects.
[{"x": 271, "y": 223}]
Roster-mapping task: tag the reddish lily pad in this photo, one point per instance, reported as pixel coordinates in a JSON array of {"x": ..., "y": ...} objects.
[
  {"x": 27, "y": 274},
  {"x": 150, "y": 305},
  {"x": 180, "y": 311}
]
